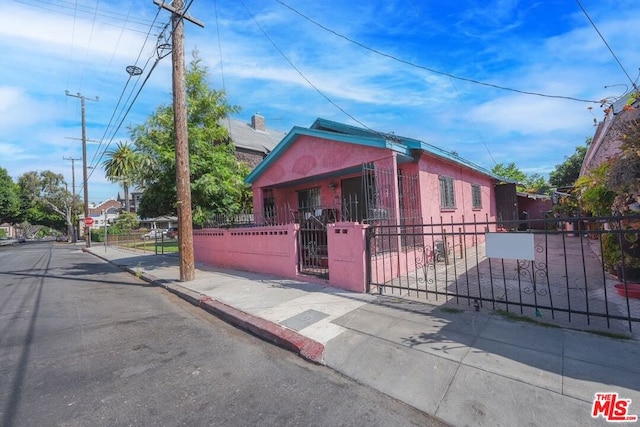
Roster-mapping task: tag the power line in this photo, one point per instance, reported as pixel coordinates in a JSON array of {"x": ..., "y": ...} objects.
[
  {"x": 605, "y": 43},
  {"x": 113, "y": 115},
  {"x": 301, "y": 74},
  {"x": 80, "y": 9},
  {"x": 431, "y": 70}
]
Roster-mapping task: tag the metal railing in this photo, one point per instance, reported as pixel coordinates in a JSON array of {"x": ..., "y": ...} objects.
[{"x": 583, "y": 268}]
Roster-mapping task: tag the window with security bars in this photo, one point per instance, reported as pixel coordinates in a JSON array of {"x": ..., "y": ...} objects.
[
  {"x": 476, "y": 196},
  {"x": 308, "y": 200},
  {"x": 447, "y": 195}
]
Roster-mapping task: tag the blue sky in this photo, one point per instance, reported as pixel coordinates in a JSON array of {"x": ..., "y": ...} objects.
[{"x": 272, "y": 60}]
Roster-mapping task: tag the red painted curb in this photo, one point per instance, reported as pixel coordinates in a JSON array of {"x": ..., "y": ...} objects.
[{"x": 283, "y": 337}]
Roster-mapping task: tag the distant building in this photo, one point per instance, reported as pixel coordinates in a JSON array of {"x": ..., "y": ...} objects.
[
  {"x": 134, "y": 201},
  {"x": 253, "y": 140}
]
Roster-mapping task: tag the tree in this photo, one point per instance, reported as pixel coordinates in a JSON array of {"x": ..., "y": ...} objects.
[
  {"x": 127, "y": 221},
  {"x": 121, "y": 166},
  {"x": 567, "y": 172},
  {"x": 9, "y": 200},
  {"x": 217, "y": 177},
  {"x": 510, "y": 171},
  {"x": 533, "y": 183},
  {"x": 45, "y": 200}
]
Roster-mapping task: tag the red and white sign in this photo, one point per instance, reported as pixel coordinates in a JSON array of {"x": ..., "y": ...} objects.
[
  {"x": 88, "y": 221},
  {"x": 611, "y": 408}
]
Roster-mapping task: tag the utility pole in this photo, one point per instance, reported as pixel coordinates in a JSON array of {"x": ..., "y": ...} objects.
[
  {"x": 181, "y": 133},
  {"x": 87, "y": 236},
  {"x": 74, "y": 234}
]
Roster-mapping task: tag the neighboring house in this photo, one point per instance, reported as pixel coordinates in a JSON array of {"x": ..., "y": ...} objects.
[
  {"x": 160, "y": 223},
  {"x": 361, "y": 175},
  {"x": 608, "y": 138},
  {"x": 103, "y": 214},
  {"x": 134, "y": 200},
  {"x": 253, "y": 140},
  {"x": 535, "y": 208},
  {"x": 9, "y": 230}
]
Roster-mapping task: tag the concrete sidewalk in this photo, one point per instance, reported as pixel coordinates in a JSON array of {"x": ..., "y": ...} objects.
[{"x": 462, "y": 366}]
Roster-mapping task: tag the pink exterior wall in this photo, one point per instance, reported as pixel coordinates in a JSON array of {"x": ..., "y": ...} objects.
[
  {"x": 308, "y": 157},
  {"x": 273, "y": 250},
  {"x": 536, "y": 209},
  {"x": 270, "y": 250},
  {"x": 431, "y": 168}
]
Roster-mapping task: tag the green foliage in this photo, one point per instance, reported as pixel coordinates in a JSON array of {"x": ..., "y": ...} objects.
[
  {"x": 533, "y": 183},
  {"x": 3, "y": 233},
  {"x": 123, "y": 166},
  {"x": 217, "y": 177},
  {"x": 510, "y": 171},
  {"x": 9, "y": 200},
  {"x": 593, "y": 192},
  {"x": 45, "y": 200},
  {"x": 566, "y": 173},
  {"x": 126, "y": 222},
  {"x": 614, "y": 248}
]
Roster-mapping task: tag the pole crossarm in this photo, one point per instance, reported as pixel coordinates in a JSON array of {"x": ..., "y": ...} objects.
[{"x": 180, "y": 13}]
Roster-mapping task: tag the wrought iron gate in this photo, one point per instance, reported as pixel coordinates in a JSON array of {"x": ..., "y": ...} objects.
[{"x": 313, "y": 251}]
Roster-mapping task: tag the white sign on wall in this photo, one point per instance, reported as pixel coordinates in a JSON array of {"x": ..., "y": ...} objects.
[{"x": 510, "y": 245}]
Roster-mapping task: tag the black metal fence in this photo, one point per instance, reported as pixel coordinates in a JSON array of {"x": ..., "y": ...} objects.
[{"x": 582, "y": 269}]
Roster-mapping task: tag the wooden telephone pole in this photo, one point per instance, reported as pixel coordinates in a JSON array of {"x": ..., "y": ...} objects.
[
  {"x": 87, "y": 235},
  {"x": 74, "y": 229},
  {"x": 181, "y": 134}
]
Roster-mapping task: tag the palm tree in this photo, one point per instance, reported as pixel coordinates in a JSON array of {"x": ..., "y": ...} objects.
[{"x": 121, "y": 166}]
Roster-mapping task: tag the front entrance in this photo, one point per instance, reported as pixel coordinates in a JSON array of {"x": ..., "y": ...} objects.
[{"x": 313, "y": 252}]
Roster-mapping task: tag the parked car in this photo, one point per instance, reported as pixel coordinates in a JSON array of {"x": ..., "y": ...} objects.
[
  {"x": 63, "y": 238},
  {"x": 154, "y": 234},
  {"x": 7, "y": 241},
  {"x": 172, "y": 233}
]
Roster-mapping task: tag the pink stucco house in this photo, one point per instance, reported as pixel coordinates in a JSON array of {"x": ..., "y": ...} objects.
[
  {"x": 320, "y": 188},
  {"x": 361, "y": 175}
]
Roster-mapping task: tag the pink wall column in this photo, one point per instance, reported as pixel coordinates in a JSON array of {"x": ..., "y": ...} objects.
[{"x": 347, "y": 256}]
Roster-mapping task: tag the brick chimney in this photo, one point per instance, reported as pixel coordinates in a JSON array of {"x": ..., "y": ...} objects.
[{"x": 257, "y": 123}]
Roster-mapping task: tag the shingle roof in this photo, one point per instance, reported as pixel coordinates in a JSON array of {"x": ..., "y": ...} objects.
[{"x": 246, "y": 137}]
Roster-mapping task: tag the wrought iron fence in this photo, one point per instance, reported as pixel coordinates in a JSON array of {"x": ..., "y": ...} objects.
[{"x": 582, "y": 269}]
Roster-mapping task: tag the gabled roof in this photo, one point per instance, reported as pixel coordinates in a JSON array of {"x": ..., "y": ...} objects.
[
  {"x": 341, "y": 132},
  {"x": 245, "y": 136}
]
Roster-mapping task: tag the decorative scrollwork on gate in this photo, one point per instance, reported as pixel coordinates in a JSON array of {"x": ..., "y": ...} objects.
[
  {"x": 423, "y": 262},
  {"x": 535, "y": 273}
]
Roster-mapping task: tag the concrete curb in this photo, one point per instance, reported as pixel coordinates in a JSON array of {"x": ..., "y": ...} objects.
[
  {"x": 288, "y": 339},
  {"x": 269, "y": 331}
]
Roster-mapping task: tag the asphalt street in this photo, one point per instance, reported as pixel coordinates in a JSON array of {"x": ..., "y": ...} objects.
[{"x": 84, "y": 343}]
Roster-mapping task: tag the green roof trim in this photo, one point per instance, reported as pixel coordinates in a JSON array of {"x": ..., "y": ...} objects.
[{"x": 327, "y": 129}]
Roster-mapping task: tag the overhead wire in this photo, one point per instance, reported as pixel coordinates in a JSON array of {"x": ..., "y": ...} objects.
[
  {"x": 302, "y": 74},
  {"x": 78, "y": 9},
  {"x": 86, "y": 56},
  {"x": 606, "y": 44},
  {"x": 99, "y": 158},
  {"x": 109, "y": 132},
  {"x": 432, "y": 70}
]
